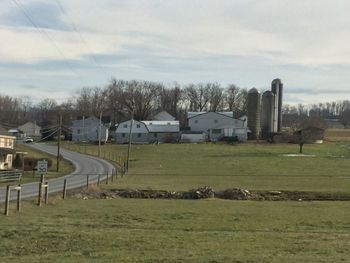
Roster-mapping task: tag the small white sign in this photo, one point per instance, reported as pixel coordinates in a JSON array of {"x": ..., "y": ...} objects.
[{"x": 41, "y": 167}]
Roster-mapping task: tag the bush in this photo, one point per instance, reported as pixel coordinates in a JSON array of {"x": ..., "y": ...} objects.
[
  {"x": 229, "y": 140},
  {"x": 29, "y": 162}
]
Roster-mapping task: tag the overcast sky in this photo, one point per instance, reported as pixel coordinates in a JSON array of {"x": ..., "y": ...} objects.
[{"x": 245, "y": 42}]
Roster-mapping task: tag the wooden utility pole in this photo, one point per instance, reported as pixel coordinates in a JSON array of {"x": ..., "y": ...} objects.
[
  {"x": 129, "y": 146},
  {"x": 7, "y": 200},
  {"x": 64, "y": 189},
  {"x": 18, "y": 188},
  {"x": 99, "y": 135},
  {"x": 59, "y": 143}
]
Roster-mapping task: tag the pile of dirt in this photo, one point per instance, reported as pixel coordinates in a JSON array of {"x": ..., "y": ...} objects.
[
  {"x": 147, "y": 194},
  {"x": 199, "y": 193},
  {"x": 235, "y": 194},
  {"x": 207, "y": 192}
]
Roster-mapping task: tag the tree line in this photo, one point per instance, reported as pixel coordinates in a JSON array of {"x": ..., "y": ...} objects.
[{"x": 120, "y": 99}]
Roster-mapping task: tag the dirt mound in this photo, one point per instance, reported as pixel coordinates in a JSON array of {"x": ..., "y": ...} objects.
[{"x": 207, "y": 192}]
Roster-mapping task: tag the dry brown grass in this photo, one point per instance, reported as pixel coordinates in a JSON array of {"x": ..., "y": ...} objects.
[{"x": 338, "y": 135}]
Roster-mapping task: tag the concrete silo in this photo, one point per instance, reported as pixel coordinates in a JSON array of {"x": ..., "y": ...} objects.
[
  {"x": 267, "y": 114},
  {"x": 277, "y": 89},
  {"x": 253, "y": 108}
]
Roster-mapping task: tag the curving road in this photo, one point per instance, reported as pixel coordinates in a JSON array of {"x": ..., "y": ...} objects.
[{"x": 84, "y": 165}]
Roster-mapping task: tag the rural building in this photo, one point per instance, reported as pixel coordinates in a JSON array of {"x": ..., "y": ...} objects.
[
  {"x": 87, "y": 130},
  {"x": 163, "y": 116},
  {"x": 163, "y": 131},
  {"x": 139, "y": 132},
  {"x": 193, "y": 137},
  {"x": 6, "y": 151},
  {"x": 217, "y": 125},
  {"x": 30, "y": 129},
  {"x": 147, "y": 131},
  {"x": 16, "y": 133}
]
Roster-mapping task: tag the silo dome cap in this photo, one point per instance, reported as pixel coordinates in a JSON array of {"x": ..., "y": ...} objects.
[
  {"x": 275, "y": 81},
  {"x": 253, "y": 90},
  {"x": 268, "y": 93}
]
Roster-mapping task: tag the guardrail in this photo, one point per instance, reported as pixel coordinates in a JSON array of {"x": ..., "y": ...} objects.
[{"x": 10, "y": 175}]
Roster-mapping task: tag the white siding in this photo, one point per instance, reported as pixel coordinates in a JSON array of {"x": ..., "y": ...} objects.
[
  {"x": 139, "y": 132},
  {"x": 210, "y": 120},
  {"x": 88, "y": 130}
]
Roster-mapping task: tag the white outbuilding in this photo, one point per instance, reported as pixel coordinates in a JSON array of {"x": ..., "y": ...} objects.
[
  {"x": 147, "y": 131},
  {"x": 217, "y": 125}
]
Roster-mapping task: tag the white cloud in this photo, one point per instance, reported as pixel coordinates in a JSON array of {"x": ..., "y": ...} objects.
[{"x": 303, "y": 42}]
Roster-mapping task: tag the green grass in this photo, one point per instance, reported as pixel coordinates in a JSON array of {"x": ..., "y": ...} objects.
[
  {"x": 221, "y": 166},
  {"x": 65, "y": 166},
  {"x": 130, "y": 230},
  {"x": 138, "y": 230}
]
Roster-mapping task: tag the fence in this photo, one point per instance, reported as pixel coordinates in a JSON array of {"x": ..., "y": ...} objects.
[
  {"x": 62, "y": 186},
  {"x": 10, "y": 175}
]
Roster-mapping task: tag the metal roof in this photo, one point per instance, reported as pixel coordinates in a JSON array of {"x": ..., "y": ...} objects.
[
  {"x": 162, "y": 126},
  {"x": 164, "y": 116},
  {"x": 192, "y": 114}
]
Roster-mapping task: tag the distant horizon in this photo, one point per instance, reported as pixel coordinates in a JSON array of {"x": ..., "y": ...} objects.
[{"x": 53, "y": 49}]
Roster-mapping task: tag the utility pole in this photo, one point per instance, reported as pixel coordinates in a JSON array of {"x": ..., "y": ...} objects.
[
  {"x": 59, "y": 143},
  {"x": 99, "y": 135},
  {"x": 129, "y": 146}
]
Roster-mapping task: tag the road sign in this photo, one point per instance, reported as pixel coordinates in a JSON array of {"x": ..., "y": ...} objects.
[{"x": 41, "y": 167}]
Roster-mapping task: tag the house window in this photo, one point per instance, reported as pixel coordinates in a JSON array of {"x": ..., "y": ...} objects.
[
  {"x": 195, "y": 121},
  {"x": 139, "y": 135},
  {"x": 155, "y": 135},
  {"x": 216, "y": 121},
  {"x": 78, "y": 131},
  {"x": 125, "y": 126},
  {"x": 138, "y": 126},
  {"x": 216, "y": 131},
  {"x": 123, "y": 135}
]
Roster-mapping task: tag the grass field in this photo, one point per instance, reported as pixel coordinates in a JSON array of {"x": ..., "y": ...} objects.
[
  {"x": 221, "y": 166},
  {"x": 212, "y": 230},
  {"x": 130, "y": 230}
]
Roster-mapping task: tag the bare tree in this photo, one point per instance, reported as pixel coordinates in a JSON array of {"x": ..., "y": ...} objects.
[
  {"x": 169, "y": 98},
  {"x": 198, "y": 96},
  {"x": 231, "y": 96},
  {"x": 140, "y": 98},
  {"x": 307, "y": 135},
  {"x": 344, "y": 118},
  {"x": 114, "y": 100},
  {"x": 216, "y": 96}
]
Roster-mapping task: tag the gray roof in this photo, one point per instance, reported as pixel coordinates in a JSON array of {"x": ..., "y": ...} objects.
[
  {"x": 162, "y": 126},
  {"x": 163, "y": 116},
  {"x": 192, "y": 114}
]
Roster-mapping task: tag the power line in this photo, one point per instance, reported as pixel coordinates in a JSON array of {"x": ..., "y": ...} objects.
[
  {"x": 48, "y": 136},
  {"x": 82, "y": 39},
  {"x": 45, "y": 34}
]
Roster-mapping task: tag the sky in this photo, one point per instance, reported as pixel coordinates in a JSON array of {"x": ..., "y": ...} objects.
[{"x": 53, "y": 48}]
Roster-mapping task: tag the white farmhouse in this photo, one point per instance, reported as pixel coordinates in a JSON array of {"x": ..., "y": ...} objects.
[
  {"x": 6, "y": 151},
  {"x": 30, "y": 129},
  {"x": 87, "y": 130},
  {"x": 147, "y": 131},
  {"x": 217, "y": 125}
]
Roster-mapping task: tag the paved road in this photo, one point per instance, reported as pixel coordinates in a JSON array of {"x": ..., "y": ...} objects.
[{"x": 84, "y": 165}]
